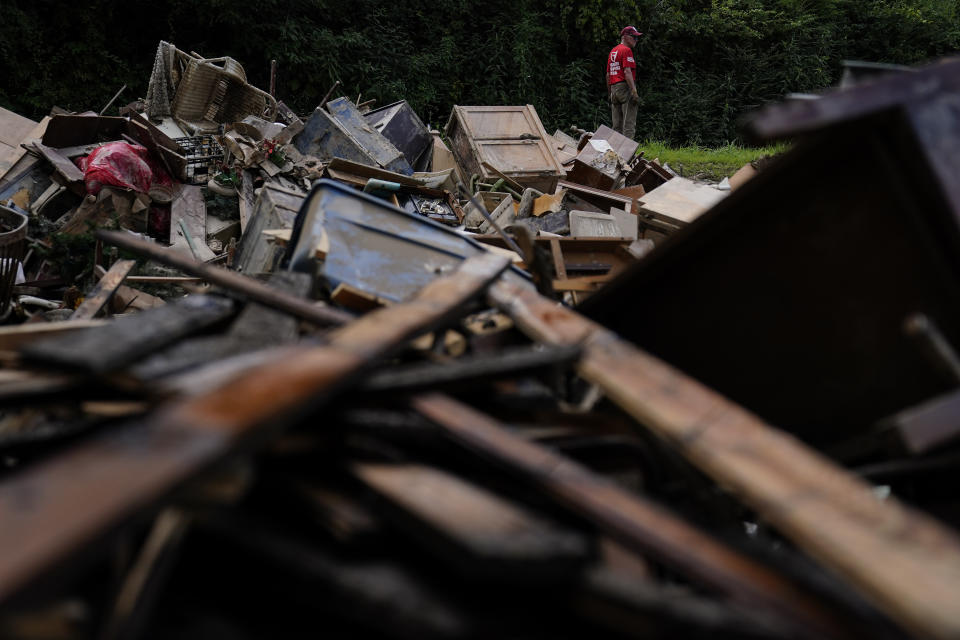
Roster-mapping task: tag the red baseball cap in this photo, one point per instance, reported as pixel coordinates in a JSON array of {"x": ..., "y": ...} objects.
[{"x": 630, "y": 31}]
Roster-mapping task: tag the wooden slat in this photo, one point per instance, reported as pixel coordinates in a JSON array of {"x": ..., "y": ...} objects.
[
  {"x": 626, "y": 517},
  {"x": 906, "y": 562},
  {"x": 63, "y": 165},
  {"x": 15, "y": 336},
  {"x": 476, "y": 530},
  {"x": 84, "y": 492},
  {"x": 128, "y": 338},
  {"x": 230, "y": 280},
  {"x": 104, "y": 290}
]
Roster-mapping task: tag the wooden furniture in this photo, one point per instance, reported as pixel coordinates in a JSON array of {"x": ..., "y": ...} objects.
[{"x": 511, "y": 139}]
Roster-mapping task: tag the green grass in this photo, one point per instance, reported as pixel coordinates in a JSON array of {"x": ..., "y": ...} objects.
[{"x": 698, "y": 163}]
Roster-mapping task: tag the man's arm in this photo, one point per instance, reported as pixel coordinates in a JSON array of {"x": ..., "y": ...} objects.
[{"x": 628, "y": 76}]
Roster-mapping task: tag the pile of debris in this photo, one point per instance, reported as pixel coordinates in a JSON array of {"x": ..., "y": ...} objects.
[{"x": 419, "y": 383}]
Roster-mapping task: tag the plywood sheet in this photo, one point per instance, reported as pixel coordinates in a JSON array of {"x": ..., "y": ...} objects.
[
  {"x": 680, "y": 201},
  {"x": 13, "y": 128}
]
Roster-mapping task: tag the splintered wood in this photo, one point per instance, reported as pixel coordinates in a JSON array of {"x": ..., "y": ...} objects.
[{"x": 882, "y": 547}]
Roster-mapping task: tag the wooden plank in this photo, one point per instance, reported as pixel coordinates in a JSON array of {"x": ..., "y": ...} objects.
[
  {"x": 635, "y": 193},
  {"x": 82, "y": 493},
  {"x": 928, "y": 426},
  {"x": 69, "y": 171},
  {"x": 255, "y": 327},
  {"x": 598, "y": 197},
  {"x": 556, "y": 253},
  {"x": 175, "y": 280},
  {"x": 104, "y": 290},
  {"x": 883, "y": 548},
  {"x": 188, "y": 216},
  {"x": 9, "y": 159},
  {"x": 584, "y": 283},
  {"x": 13, "y": 337},
  {"x": 230, "y": 280},
  {"x": 626, "y": 517},
  {"x": 128, "y": 338},
  {"x": 624, "y": 146},
  {"x": 467, "y": 371},
  {"x": 338, "y": 514},
  {"x": 14, "y": 127},
  {"x": 472, "y": 529},
  {"x": 680, "y": 201}
]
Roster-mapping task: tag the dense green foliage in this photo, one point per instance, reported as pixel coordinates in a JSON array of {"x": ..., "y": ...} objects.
[{"x": 703, "y": 63}]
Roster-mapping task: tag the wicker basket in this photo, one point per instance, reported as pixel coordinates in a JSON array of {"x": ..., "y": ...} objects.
[
  {"x": 213, "y": 91},
  {"x": 13, "y": 236}
]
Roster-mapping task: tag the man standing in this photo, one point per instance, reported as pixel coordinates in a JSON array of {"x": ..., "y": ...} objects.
[{"x": 622, "y": 83}]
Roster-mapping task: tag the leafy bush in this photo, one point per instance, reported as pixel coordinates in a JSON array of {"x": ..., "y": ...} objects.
[{"x": 703, "y": 63}]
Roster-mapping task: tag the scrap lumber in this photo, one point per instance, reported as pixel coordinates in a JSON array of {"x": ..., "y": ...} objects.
[
  {"x": 116, "y": 344},
  {"x": 188, "y": 224},
  {"x": 474, "y": 530},
  {"x": 883, "y": 548},
  {"x": 679, "y": 201},
  {"x": 255, "y": 327},
  {"x": 928, "y": 426},
  {"x": 379, "y": 596},
  {"x": 626, "y": 517},
  {"x": 67, "y": 170},
  {"x": 229, "y": 280},
  {"x": 14, "y": 128},
  {"x": 14, "y": 336},
  {"x": 104, "y": 290},
  {"x": 9, "y": 158},
  {"x": 337, "y": 513},
  {"x": 82, "y": 493},
  {"x": 470, "y": 370},
  {"x": 598, "y": 197}
]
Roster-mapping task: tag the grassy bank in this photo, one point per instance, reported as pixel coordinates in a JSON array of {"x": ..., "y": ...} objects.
[{"x": 698, "y": 163}]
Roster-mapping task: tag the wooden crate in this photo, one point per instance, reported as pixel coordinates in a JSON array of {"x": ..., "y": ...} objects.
[{"x": 510, "y": 139}]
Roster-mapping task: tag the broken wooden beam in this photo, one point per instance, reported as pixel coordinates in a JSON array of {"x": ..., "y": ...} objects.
[
  {"x": 627, "y": 518},
  {"x": 483, "y": 535},
  {"x": 83, "y": 493},
  {"x": 116, "y": 344},
  {"x": 471, "y": 370},
  {"x": 101, "y": 294},
  {"x": 232, "y": 281},
  {"x": 883, "y": 548}
]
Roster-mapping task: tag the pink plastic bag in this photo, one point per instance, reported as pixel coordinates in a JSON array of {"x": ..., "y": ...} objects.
[{"x": 123, "y": 165}]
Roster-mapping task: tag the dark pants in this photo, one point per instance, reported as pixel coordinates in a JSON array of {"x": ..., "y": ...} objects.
[{"x": 623, "y": 109}]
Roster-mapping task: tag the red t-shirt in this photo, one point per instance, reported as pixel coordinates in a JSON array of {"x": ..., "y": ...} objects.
[{"x": 620, "y": 58}]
